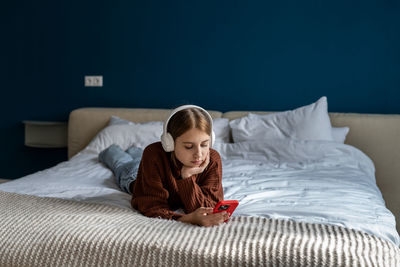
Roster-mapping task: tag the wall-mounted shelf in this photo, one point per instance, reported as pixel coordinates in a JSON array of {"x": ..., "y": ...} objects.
[{"x": 46, "y": 134}]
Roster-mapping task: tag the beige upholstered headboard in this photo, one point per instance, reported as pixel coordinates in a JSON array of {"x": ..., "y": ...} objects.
[{"x": 376, "y": 135}]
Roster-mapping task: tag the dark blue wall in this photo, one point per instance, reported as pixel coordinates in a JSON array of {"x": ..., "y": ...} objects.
[{"x": 225, "y": 55}]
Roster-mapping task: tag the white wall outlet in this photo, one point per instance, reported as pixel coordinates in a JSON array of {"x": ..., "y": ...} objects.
[{"x": 93, "y": 81}]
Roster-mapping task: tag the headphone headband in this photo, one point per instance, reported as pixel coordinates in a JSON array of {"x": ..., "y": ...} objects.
[{"x": 166, "y": 138}]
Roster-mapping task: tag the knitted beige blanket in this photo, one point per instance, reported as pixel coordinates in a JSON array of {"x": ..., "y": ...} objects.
[{"x": 37, "y": 231}]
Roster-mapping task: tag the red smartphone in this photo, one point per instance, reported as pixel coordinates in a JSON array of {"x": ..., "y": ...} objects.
[{"x": 226, "y": 205}]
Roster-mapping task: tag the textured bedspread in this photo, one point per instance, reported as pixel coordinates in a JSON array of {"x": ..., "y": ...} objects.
[{"x": 38, "y": 231}]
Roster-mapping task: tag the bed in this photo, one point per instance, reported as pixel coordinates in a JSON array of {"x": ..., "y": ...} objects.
[{"x": 302, "y": 202}]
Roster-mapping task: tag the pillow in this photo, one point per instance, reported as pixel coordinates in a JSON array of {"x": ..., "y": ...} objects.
[
  {"x": 221, "y": 130},
  {"x": 117, "y": 120},
  {"x": 309, "y": 122},
  {"x": 339, "y": 133},
  {"x": 220, "y": 127},
  {"x": 125, "y": 134}
]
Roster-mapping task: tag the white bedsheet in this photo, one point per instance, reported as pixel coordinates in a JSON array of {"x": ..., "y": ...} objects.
[{"x": 311, "y": 181}]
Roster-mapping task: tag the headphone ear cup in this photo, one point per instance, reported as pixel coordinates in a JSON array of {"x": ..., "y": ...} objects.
[
  {"x": 167, "y": 142},
  {"x": 212, "y": 138}
]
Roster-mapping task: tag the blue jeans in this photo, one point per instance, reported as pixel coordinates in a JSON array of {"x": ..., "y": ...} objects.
[{"x": 124, "y": 164}]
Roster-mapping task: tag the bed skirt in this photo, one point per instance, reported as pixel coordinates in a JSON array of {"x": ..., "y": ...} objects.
[{"x": 37, "y": 231}]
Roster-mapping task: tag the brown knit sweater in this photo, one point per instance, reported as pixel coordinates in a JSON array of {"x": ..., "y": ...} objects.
[{"x": 157, "y": 191}]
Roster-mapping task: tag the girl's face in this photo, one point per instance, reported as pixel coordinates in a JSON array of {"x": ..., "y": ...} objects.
[{"x": 192, "y": 147}]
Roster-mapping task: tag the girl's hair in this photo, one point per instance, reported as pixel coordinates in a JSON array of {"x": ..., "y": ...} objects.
[{"x": 187, "y": 119}]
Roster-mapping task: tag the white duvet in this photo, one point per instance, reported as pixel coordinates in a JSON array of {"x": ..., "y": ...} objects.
[{"x": 310, "y": 181}]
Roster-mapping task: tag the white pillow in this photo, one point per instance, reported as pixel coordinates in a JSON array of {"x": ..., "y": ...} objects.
[
  {"x": 117, "y": 120},
  {"x": 221, "y": 130},
  {"x": 220, "y": 127},
  {"x": 309, "y": 122},
  {"x": 339, "y": 133},
  {"x": 126, "y": 134}
]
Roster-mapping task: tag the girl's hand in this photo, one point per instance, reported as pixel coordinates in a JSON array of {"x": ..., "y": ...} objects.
[
  {"x": 205, "y": 217},
  {"x": 186, "y": 171}
]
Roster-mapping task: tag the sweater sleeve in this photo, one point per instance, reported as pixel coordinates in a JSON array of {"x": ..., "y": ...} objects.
[
  {"x": 150, "y": 196},
  {"x": 204, "y": 190}
]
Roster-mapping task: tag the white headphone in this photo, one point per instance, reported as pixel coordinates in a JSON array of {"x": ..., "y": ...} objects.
[{"x": 166, "y": 138}]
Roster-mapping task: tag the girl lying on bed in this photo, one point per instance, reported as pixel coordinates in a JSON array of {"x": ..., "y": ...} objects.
[{"x": 181, "y": 171}]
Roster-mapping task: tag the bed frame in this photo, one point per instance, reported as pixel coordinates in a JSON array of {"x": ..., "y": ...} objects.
[{"x": 377, "y": 135}]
